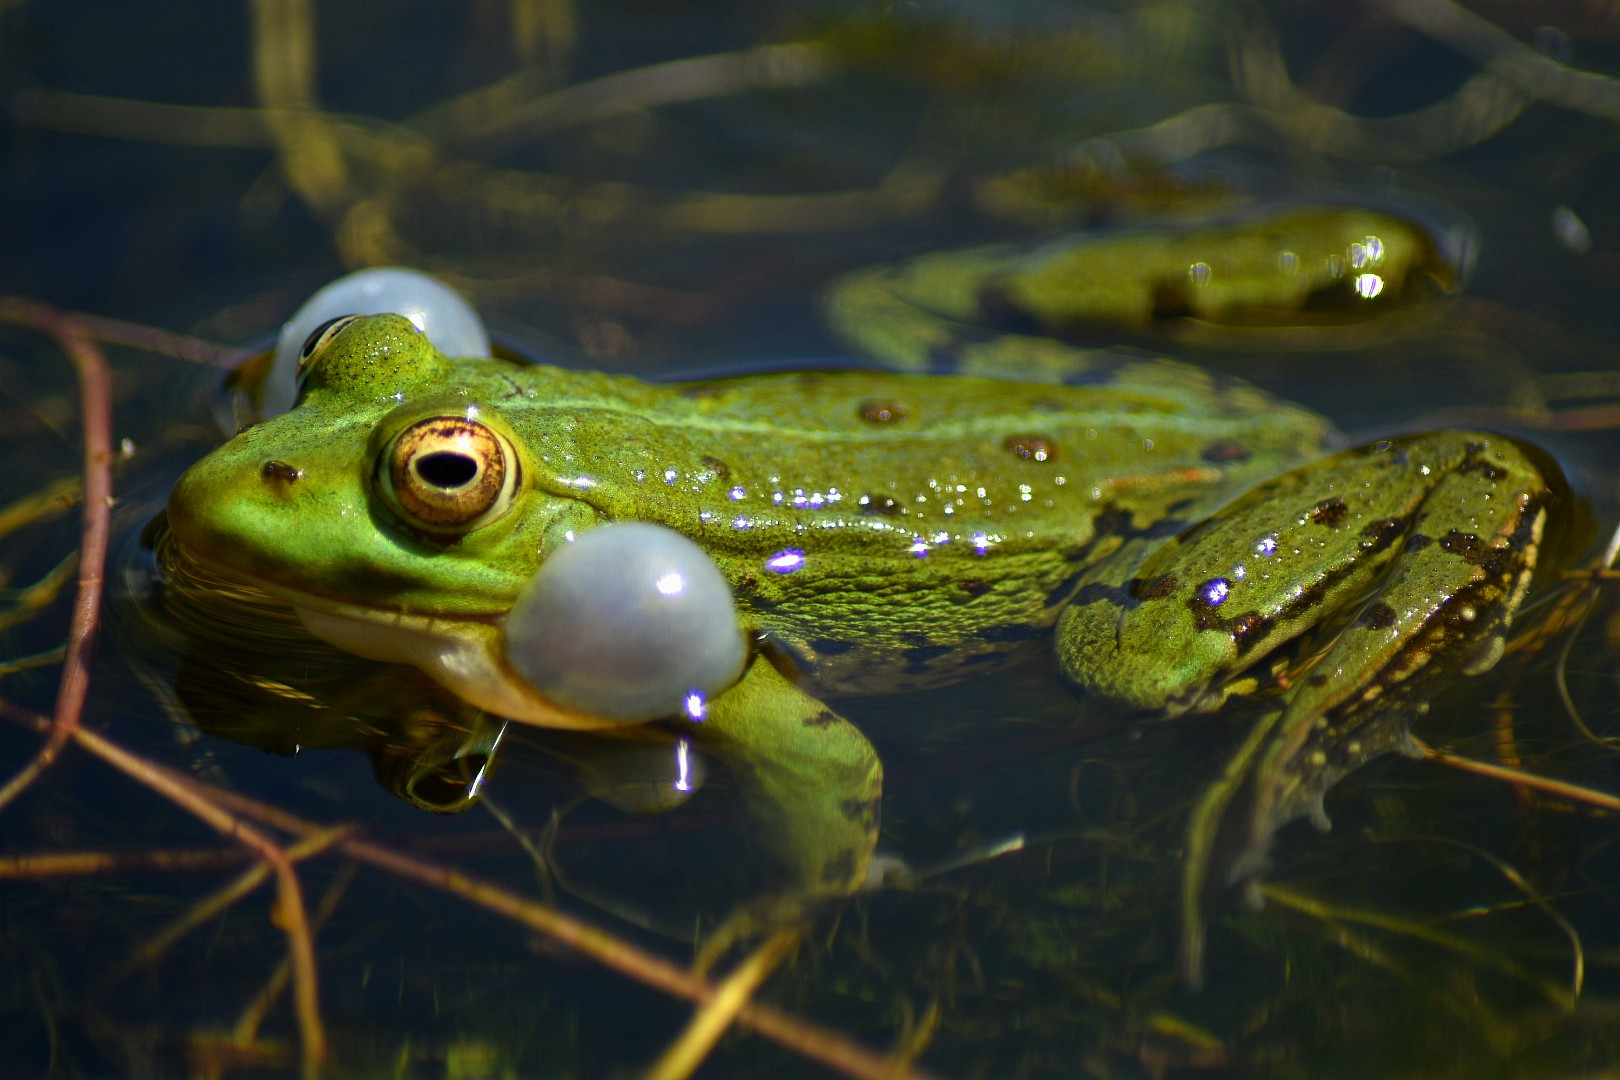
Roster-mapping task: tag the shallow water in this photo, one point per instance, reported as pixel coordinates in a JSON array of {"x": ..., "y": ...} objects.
[{"x": 605, "y": 213}]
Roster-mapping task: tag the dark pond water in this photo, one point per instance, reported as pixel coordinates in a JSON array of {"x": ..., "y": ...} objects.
[{"x": 665, "y": 188}]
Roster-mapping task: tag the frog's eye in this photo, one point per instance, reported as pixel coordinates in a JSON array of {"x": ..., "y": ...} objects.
[
  {"x": 631, "y": 622},
  {"x": 319, "y": 338},
  {"x": 449, "y": 322},
  {"x": 449, "y": 474}
]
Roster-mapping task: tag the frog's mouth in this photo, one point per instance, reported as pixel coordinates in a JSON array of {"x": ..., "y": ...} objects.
[{"x": 467, "y": 656}]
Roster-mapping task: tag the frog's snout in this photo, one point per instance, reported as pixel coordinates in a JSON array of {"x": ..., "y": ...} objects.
[{"x": 224, "y": 506}]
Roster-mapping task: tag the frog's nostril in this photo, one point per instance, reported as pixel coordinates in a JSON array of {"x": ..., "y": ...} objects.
[{"x": 279, "y": 472}]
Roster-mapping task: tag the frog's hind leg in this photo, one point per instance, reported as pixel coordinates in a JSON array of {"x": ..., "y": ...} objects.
[
  {"x": 1388, "y": 571},
  {"x": 1441, "y": 612}
]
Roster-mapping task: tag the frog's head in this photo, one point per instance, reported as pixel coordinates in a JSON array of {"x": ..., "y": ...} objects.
[
  {"x": 405, "y": 518},
  {"x": 389, "y": 505},
  {"x": 392, "y": 483}
]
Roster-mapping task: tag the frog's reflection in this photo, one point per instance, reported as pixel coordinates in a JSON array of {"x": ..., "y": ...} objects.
[
  {"x": 425, "y": 747},
  {"x": 249, "y": 672}
]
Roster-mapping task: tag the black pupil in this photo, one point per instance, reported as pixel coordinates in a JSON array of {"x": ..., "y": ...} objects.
[{"x": 446, "y": 469}]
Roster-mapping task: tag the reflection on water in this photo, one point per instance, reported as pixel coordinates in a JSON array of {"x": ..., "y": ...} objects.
[{"x": 663, "y": 189}]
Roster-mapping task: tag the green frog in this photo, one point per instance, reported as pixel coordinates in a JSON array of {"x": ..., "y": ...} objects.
[{"x": 1176, "y": 538}]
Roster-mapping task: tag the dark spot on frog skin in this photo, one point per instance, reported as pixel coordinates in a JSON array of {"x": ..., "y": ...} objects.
[
  {"x": 1384, "y": 532},
  {"x": 1225, "y": 451},
  {"x": 1464, "y": 544},
  {"x": 1318, "y": 679},
  {"x": 881, "y": 412},
  {"x": 1249, "y": 629},
  {"x": 839, "y": 869},
  {"x": 1491, "y": 559},
  {"x": 831, "y": 646},
  {"x": 279, "y": 472},
  {"x": 861, "y": 811},
  {"x": 1474, "y": 463},
  {"x": 1155, "y": 589},
  {"x": 1379, "y": 616},
  {"x": 721, "y": 470},
  {"x": 1417, "y": 542},
  {"x": 974, "y": 589},
  {"x": 1330, "y": 512},
  {"x": 824, "y": 718},
  {"x": 1205, "y": 599},
  {"x": 1031, "y": 447}
]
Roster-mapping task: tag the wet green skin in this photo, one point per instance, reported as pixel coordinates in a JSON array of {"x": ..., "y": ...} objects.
[{"x": 947, "y": 523}]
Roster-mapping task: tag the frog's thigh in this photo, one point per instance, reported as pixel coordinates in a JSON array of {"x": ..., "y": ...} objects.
[
  {"x": 1439, "y": 529},
  {"x": 809, "y": 780}
]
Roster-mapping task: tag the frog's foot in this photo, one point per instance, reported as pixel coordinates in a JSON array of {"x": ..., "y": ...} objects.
[
  {"x": 1389, "y": 571},
  {"x": 811, "y": 786}
]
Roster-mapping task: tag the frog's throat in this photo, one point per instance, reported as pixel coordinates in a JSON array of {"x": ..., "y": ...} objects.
[{"x": 463, "y": 655}]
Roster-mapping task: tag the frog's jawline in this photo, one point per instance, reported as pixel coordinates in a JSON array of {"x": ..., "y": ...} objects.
[{"x": 465, "y": 656}]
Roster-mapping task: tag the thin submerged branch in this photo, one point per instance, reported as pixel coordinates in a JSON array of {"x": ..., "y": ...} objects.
[
  {"x": 225, "y": 809},
  {"x": 95, "y": 389}
]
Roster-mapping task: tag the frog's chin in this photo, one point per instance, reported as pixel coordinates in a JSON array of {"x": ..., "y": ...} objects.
[{"x": 465, "y": 656}]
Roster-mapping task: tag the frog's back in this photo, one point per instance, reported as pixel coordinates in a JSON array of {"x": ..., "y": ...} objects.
[{"x": 887, "y": 528}]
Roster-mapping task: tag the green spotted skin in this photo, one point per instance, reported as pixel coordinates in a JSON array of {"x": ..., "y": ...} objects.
[
  {"x": 1175, "y": 537},
  {"x": 888, "y": 530}
]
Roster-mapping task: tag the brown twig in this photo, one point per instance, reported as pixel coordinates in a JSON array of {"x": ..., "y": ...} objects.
[
  {"x": 800, "y": 1036},
  {"x": 1574, "y": 792},
  {"x": 77, "y": 863},
  {"x": 681, "y": 1059},
  {"x": 289, "y": 915},
  {"x": 96, "y": 408},
  {"x": 218, "y": 901},
  {"x": 96, "y": 412},
  {"x": 247, "y": 1027},
  {"x": 193, "y": 350}
]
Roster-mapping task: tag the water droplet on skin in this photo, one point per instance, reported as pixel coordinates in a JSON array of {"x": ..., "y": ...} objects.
[
  {"x": 785, "y": 562},
  {"x": 1213, "y": 593}
]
